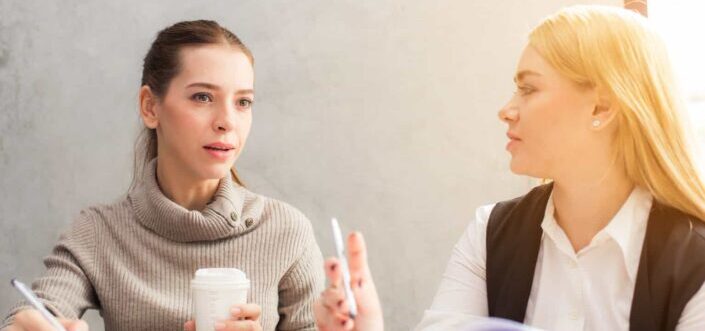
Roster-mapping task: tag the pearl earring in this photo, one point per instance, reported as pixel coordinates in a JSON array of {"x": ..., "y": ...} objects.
[{"x": 596, "y": 123}]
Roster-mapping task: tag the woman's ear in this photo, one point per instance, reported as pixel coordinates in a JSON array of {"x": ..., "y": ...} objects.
[
  {"x": 604, "y": 112},
  {"x": 148, "y": 105}
]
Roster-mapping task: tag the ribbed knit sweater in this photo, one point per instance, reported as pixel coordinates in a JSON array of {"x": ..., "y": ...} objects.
[{"x": 134, "y": 259}]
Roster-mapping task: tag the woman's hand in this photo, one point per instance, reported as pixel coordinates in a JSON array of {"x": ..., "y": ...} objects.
[
  {"x": 32, "y": 320},
  {"x": 244, "y": 317},
  {"x": 331, "y": 308}
]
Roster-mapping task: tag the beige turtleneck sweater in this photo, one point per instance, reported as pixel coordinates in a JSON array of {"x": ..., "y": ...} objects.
[{"x": 133, "y": 260}]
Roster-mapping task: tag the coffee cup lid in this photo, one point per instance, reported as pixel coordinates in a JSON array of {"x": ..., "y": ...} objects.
[{"x": 220, "y": 276}]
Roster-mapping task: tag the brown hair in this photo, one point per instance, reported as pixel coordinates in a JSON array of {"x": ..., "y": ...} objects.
[{"x": 160, "y": 66}]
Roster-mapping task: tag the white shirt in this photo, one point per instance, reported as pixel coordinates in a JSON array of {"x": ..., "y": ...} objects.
[{"x": 588, "y": 290}]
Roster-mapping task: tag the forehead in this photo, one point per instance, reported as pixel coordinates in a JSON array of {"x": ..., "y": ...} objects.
[
  {"x": 532, "y": 64},
  {"x": 221, "y": 65}
]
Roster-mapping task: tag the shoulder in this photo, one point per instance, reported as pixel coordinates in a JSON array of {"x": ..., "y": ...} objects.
[
  {"x": 481, "y": 218},
  {"x": 96, "y": 223},
  {"x": 674, "y": 225},
  {"x": 98, "y": 216},
  {"x": 91, "y": 218},
  {"x": 81, "y": 238},
  {"x": 278, "y": 216},
  {"x": 696, "y": 228},
  {"x": 475, "y": 236}
]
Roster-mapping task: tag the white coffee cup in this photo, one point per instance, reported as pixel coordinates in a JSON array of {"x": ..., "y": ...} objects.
[{"x": 215, "y": 291}]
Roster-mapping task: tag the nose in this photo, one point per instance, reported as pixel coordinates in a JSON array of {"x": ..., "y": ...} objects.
[
  {"x": 225, "y": 120},
  {"x": 508, "y": 113}
]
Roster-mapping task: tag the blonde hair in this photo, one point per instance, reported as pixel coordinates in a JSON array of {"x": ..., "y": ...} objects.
[{"x": 616, "y": 51}]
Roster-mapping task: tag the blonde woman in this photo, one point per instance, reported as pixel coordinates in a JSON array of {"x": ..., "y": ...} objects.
[{"x": 616, "y": 241}]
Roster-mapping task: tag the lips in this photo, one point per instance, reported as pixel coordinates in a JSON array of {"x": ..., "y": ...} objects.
[
  {"x": 513, "y": 140},
  {"x": 512, "y": 136},
  {"x": 222, "y": 152},
  {"x": 219, "y": 147}
]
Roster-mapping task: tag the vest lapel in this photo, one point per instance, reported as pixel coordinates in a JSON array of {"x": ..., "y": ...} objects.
[{"x": 512, "y": 251}]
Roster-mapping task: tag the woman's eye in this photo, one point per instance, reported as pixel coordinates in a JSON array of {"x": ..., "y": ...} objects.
[
  {"x": 524, "y": 90},
  {"x": 202, "y": 97},
  {"x": 244, "y": 103}
]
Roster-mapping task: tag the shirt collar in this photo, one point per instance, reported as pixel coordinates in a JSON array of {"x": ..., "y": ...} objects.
[{"x": 627, "y": 228}]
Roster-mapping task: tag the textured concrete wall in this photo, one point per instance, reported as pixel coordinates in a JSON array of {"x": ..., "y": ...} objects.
[{"x": 382, "y": 113}]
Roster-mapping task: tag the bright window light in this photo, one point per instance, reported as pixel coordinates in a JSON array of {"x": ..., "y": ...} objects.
[{"x": 681, "y": 24}]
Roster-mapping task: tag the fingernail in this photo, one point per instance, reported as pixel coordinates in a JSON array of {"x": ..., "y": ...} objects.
[
  {"x": 235, "y": 311},
  {"x": 219, "y": 325}
]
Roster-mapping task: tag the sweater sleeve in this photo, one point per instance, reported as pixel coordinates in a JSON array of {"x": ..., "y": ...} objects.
[
  {"x": 64, "y": 287},
  {"x": 300, "y": 287}
]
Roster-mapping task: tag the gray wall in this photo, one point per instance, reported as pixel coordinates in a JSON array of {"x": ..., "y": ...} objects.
[{"x": 382, "y": 113}]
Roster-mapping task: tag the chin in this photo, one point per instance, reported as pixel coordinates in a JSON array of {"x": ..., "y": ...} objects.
[
  {"x": 516, "y": 166},
  {"x": 521, "y": 168},
  {"x": 215, "y": 171},
  {"x": 524, "y": 169}
]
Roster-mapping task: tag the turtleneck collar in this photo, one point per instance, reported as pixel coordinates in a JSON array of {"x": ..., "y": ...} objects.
[{"x": 233, "y": 210}]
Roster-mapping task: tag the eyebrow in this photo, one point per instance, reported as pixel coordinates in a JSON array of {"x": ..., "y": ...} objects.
[
  {"x": 521, "y": 74},
  {"x": 216, "y": 87}
]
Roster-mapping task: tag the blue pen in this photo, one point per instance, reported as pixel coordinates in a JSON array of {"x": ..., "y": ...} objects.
[{"x": 27, "y": 293}]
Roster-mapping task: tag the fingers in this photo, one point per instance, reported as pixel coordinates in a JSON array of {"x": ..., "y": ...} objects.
[
  {"x": 190, "y": 326},
  {"x": 335, "y": 276},
  {"x": 328, "y": 319},
  {"x": 242, "y": 317},
  {"x": 321, "y": 314},
  {"x": 357, "y": 254},
  {"x": 248, "y": 311},
  {"x": 334, "y": 300},
  {"x": 31, "y": 319},
  {"x": 74, "y": 325},
  {"x": 244, "y": 325},
  {"x": 331, "y": 310}
]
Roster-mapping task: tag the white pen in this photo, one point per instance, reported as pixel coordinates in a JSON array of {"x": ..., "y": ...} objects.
[
  {"x": 340, "y": 248},
  {"x": 27, "y": 293}
]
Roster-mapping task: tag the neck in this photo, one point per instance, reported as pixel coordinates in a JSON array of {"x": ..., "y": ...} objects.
[
  {"x": 182, "y": 188},
  {"x": 582, "y": 210}
]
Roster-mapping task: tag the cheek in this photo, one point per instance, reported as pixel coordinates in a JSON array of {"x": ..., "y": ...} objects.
[
  {"x": 181, "y": 124},
  {"x": 244, "y": 126},
  {"x": 553, "y": 122}
]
